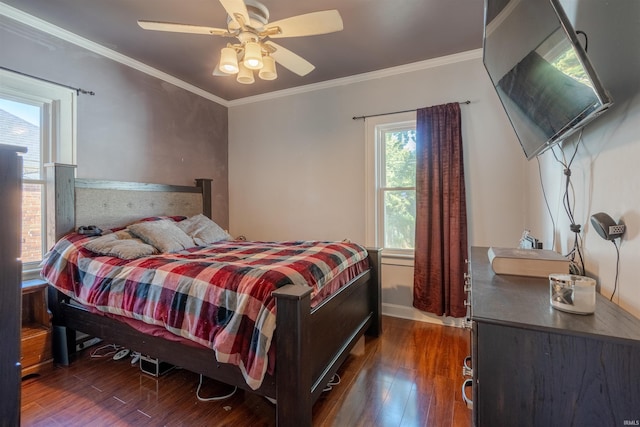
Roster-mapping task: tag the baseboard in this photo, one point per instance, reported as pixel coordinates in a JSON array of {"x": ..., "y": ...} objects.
[{"x": 410, "y": 313}]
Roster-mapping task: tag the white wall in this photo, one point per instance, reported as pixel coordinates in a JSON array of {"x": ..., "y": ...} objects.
[
  {"x": 296, "y": 163},
  {"x": 606, "y": 172}
]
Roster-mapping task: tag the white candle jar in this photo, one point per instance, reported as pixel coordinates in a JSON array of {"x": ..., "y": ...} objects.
[{"x": 572, "y": 293}]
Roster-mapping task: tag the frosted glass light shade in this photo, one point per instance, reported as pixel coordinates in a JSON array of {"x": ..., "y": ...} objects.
[
  {"x": 268, "y": 70},
  {"x": 228, "y": 60},
  {"x": 245, "y": 75},
  {"x": 252, "y": 56}
]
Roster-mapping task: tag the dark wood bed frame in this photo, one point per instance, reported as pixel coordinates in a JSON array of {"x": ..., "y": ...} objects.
[{"x": 309, "y": 350}]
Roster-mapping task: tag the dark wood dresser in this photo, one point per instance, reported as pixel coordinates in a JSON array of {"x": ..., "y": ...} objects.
[
  {"x": 10, "y": 278},
  {"x": 533, "y": 365}
]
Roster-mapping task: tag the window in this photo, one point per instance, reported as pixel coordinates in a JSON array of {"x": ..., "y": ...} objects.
[
  {"x": 41, "y": 117},
  {"x": 391, "y": 152},
  {"x": 21, "y": 126}
]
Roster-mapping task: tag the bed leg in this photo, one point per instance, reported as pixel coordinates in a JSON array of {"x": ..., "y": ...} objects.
[
  {"x": 375, "y": 292},
  {"x": 62, "y": 345},
  {"x": 293, "y": 368},
  {"x": 64, "y": 339}
]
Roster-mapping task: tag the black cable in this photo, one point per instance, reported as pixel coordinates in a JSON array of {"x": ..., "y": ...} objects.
[
  {"x": 586, "y": 40},
  {"x": 615, "y": 283},
  {"x": 576, "y": 150},
  {"x": 546, "y": 201},
  {"x": 77, "y": 89},
  {"x": 566, "y": 202}
]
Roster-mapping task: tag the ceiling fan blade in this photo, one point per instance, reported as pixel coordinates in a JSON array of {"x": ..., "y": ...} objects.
[
  {"x": 327, "y": 21},
  {"x": 290, "y": 60},
  {"x": 180, "y": 28},
  {"x": 234, "y": 7}
]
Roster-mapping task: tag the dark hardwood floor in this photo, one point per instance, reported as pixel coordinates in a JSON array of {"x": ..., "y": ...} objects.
[{"x": 410, "y": 376}]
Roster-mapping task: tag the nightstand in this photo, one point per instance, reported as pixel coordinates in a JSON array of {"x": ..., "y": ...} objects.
[{"x": 36, "y": 335}]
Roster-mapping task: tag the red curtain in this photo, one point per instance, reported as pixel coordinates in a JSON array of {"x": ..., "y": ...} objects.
[{"x": 441, "y": 216}]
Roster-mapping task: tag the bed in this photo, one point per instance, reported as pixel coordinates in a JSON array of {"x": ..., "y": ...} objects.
[{"x": 318, "y": 336}]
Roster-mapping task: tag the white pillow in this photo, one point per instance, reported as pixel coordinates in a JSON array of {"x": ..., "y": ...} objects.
[
  {"x": 121, "y": 245},
  {"x": 163, "y": 234},
  {"x": 203, "y": 230}
]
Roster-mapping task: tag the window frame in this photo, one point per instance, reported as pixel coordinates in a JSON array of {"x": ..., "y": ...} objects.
[
  {"x": 375, "y": 167},
  {"x": 57, "y": 133}
]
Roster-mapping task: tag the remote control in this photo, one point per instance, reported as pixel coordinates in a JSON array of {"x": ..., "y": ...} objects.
[{"x": 121, "y": 354}]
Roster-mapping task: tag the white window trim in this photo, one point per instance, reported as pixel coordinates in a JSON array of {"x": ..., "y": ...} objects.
[
  {"x": 58, "y": 126},
  {"x": 63, "y": 111},
  {"x": 373, "y": 127}
]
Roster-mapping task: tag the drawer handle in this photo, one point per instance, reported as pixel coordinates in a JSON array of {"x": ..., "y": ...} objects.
[
  {"x": 467, "y": 371},
  {"x": 467, "y": 362},
  {"x": 467, "y": 401}
]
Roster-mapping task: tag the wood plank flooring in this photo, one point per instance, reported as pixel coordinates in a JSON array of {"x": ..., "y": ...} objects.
[{"x": 410, "y": 376}]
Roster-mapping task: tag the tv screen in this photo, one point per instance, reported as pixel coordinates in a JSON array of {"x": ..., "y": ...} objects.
[{"x": 540, "y": 71}]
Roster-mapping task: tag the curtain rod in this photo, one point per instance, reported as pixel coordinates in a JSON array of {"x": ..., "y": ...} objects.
[
  {"x": 78, "y": 90},
  {"x": 396, "y": 112}
]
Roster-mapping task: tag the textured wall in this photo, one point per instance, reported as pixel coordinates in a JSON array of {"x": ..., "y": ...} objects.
[{"x": 136, "y": 127}]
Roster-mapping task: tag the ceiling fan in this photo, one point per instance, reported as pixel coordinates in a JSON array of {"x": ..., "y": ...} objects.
[{"x": 248, "y": 22}]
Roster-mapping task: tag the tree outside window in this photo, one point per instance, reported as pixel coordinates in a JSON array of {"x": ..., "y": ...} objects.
[{"x": 397, "y": 187}]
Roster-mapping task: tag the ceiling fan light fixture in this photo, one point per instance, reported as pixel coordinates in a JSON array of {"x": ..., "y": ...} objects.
[
  {"x": 245, "y": 75},
  {"x": 228, "y": 60},
  {"x": 253, "y": 56},
  {"x": 248, "y": 22},
  {"x": 268, "y": 70}
]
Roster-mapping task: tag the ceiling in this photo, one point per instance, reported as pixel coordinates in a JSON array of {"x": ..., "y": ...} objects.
[{"x": 377, "y": 34}]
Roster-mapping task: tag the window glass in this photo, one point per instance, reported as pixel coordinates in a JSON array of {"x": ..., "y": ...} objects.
[
  {"x": 32, "y": 223},
  {"x": 397, "y": 186},
  {"x": 21, "y": 127},
  {"x": 399, "y": 219},
  {"x": 41, "y": 117},
  {"x": 400, "y": 158}
]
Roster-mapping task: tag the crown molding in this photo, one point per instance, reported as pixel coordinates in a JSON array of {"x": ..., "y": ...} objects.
[
  {"x": 373, "y": 75},
  {"x": 501, "y": 17},
  {"x": 39, "y": 24},
  {"x": 70, "y": 37}
]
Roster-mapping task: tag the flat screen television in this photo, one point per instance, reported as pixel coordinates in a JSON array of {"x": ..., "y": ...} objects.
[{"x": 540, "y": 71}]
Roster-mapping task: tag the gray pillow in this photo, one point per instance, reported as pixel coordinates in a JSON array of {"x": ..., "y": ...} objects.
[
  {"x": 121, "y": 245},
  {"x": 163, "y": 235},
  {"x": 203, "y": 230}
]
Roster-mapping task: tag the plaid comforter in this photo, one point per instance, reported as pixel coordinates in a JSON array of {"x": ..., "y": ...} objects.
[{"x": 218, "y": 296}]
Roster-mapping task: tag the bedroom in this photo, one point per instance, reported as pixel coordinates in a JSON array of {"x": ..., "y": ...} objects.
[{"x": 136, "y": 116}]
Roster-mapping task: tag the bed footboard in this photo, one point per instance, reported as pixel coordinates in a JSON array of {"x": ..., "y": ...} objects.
[
  {"x": 336, "y": 325},
  {"x": 293, "y": 378}
]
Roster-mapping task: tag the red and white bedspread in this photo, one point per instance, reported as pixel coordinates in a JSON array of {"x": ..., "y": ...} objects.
[{"x": 218, "y": 296}]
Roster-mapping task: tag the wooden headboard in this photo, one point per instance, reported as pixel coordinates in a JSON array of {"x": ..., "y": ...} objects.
[{"x": 74, "y": 202}]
